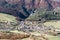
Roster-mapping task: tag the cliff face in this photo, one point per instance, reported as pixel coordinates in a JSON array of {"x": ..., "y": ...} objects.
[{"x": 23, "y": 8}]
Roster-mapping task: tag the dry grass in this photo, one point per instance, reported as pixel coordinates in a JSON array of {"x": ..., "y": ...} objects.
[
  {"x": 6, "y": 17},
  {"x": 56, "y": 24},
  {"x": 13, "y": 35}
]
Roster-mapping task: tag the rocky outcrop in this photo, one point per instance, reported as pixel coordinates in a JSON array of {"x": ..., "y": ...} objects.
[
  {"x": 23, "y": 8},
  {"x": 4, "y": 35}
]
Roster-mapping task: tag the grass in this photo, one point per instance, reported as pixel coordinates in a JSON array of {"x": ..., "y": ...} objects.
[
  {"x": 6, "y": 17},
  {"x": 10, "y": 18},
  {"x": 50, "y": 37},
  {"x": 56, "y": 24}
]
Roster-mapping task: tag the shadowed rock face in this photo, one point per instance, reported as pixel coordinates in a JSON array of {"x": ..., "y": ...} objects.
[{"x": 23, "y": 8}]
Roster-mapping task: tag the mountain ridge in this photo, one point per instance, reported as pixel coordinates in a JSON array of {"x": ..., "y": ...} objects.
[{"x": 23, "y": 8}]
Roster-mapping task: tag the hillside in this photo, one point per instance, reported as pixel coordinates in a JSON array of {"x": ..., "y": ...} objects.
[
  {"x": 23, "y": 8},
  {"x": 38, "y": 29},
  {"x": 7, "y": 22},
  {"x": 26, "y": 29},
  {"x": 6, "y": 17}
]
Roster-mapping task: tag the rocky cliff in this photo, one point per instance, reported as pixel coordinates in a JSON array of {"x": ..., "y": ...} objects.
[{"x": 23, "y": 8}]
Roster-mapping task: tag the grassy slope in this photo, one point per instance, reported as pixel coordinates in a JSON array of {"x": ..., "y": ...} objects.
[
  {"x": 11, "y": 18},
  {"x": 56, "y": 24},
  {"x": 53, "y": 37},
  {"x": 6, "y": 17}
]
